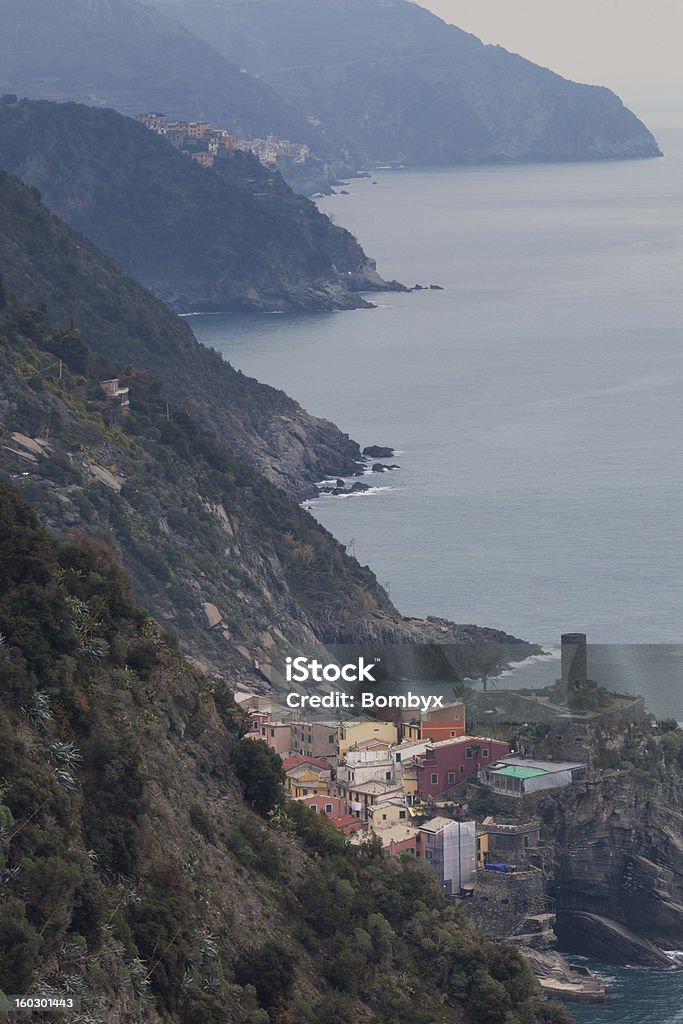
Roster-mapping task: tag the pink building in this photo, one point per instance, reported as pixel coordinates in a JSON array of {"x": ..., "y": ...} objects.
[
  {"x": 335, "y": 809},
  {"x": 274, "y": 734},
  {"x": 448, "y": 762}
]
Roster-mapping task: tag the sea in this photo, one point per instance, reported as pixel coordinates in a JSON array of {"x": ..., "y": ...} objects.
[{"x": 535, "y": 405}]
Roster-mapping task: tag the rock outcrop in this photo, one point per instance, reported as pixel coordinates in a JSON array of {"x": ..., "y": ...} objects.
[{"x": 125, "y": 325}]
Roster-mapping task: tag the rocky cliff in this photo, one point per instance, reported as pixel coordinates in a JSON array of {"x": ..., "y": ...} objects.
[
  {"x": 618, "y": 868},
  {"x": 612, "y": 855},
  {"x": 172, "y": 482},
  {"x": 42, "y": 260},
  {"x": 232, "y": 237},
  {"x": 393, "y": 83}
]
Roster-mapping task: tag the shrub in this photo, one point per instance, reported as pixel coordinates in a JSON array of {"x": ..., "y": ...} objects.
[
  {"x": 20, "y": 945},
  {"x": 270, "y": 970},
  {"x": 259, "y": 769}
]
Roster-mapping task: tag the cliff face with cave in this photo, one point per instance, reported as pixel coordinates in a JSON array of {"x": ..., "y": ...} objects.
[{"x": 612, "y": 855}]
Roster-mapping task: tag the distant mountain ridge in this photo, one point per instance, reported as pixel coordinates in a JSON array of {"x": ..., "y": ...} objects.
[
  {"x": 126, "y": 55},
  {"x": 394, "y": 83},
  {"x": 230, "y": 237}
]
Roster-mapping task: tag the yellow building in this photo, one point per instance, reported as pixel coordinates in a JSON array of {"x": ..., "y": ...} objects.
[
  {"x": 351, "y": 733},
  {"x": 412, "y": 731},
  {"x": 307, "y": 780},
  {"x": 482, "y": 847},
  {"x": 387, "y": 813},
  {"x": 307, "y": 776},
  {"x": 365, "y": 795}
]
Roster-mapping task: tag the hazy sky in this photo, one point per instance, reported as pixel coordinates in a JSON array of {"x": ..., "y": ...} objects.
[{"x": 632, "y": 46}]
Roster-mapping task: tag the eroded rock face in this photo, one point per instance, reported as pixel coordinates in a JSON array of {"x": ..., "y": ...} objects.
[{"x": 617, "y": 866}]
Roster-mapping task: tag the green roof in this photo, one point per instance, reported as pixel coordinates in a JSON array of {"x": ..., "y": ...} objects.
[{"x": 519, "y": 772}]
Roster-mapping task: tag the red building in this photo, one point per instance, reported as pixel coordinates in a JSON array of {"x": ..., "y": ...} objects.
[
  {"x": 334, "y": 808},
  {"x": 448, "y": 762},
  {"x": 444, "y": 723}
]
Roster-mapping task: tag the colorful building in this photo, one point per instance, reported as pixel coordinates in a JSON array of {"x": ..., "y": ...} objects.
[
  {"x": 335, "y": 809},
  {"x": 444, "y": 723},
  {"x": 307, "y": 776},
  {"x": 397, "y": 838},
  {"x": 361, "y": 797},
  {"x": 388, "y": 812},
  {"x": 518, "y": 776},
  {"x": 446, "y": 763},
  {"x": 356, "y": 732},
  {"x": 314, "y": 739}
]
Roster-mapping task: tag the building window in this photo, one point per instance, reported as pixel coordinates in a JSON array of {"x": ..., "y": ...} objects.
[
  {"x": 314, "y": 808},
  {"x": 435, "y": 779},
  {"x": 398, "y": 759},
  {"x": 330, "y": 739},
  {"x": 485, "y": 752},
  {"x": 384, "y": 817},
  {"x": 452, "y": 732},
  {"x": 468, "y": 752},
  {"x": 305, "y": 792},
  {"x": 462, "y": 769},
  {"x": 451, "y": 778},
  {"x": 401, "y": 814},
  {"x": 328, "y": 808},
  {"x": 272, "y": 732},
  {"x": 387, "y": 776}
]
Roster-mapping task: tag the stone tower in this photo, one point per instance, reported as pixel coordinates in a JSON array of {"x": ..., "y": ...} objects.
[{"x": 574, "y": 665}]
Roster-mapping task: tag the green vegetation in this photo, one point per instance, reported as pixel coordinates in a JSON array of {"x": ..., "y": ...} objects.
[
  {"x": 192, "y": 523},
  {"x": 133, "y": 869},
  {"x": 259, "y": 769},
  {"x": 650, "y": 754},
  {"x": 232, "y": 237},
  {"x": 45, "y": 262}
]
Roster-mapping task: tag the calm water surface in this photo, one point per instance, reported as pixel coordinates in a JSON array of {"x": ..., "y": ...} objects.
[
  {"x": 536, "y": 402},
  {"x": 635, "y": 997},
  {"x": 537, "y": 406}
]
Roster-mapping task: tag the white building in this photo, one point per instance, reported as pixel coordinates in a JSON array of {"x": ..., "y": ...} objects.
[{"x": 519, "y": 776}]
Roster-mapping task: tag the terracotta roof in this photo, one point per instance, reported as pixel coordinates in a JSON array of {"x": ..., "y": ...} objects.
[
  {"x": 344, "y": 822},
  {"x": 296, "y": 759}
]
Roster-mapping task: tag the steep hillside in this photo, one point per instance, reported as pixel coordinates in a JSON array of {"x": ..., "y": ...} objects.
[
  {"x": 241, "y": 572},
  {"x": 121, "y": 54},
  {"x": 44, "y": 261},
  {"x": 231, "y": 237},
  {"x": 392, "y": 82},
  {"x": 139, "y": 870}
]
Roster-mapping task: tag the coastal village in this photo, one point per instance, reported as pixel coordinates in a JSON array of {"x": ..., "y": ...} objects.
[
  {"x": 427, "y": 786},
  {"x": 205, "y": 143}
]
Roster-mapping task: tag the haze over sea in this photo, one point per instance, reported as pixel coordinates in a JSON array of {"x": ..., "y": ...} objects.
[
  {"x": 537, "y": 407},
  {"x": 536, "y": 402}
]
